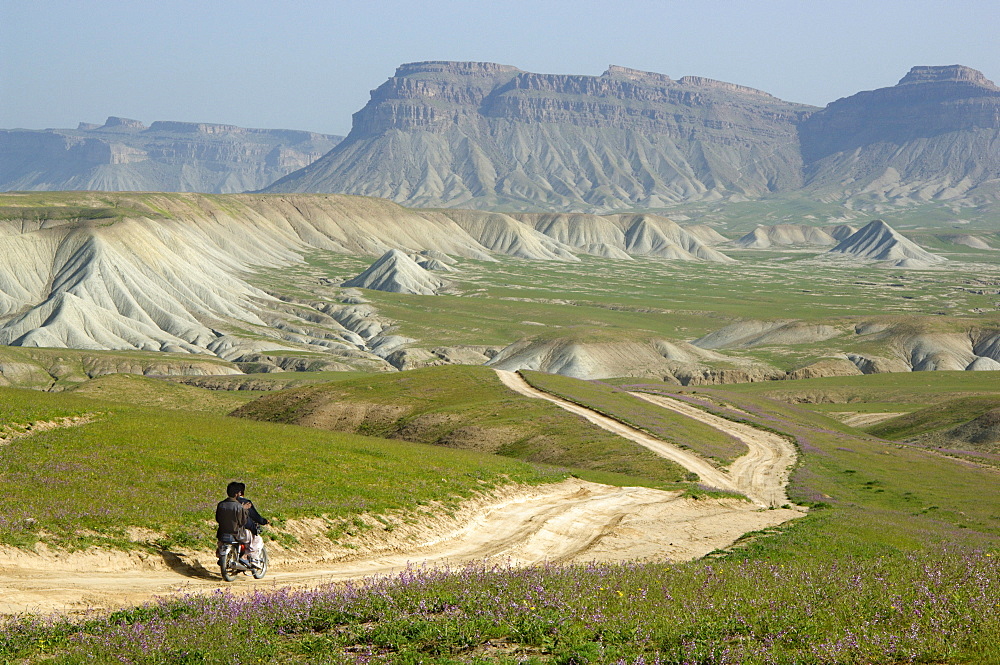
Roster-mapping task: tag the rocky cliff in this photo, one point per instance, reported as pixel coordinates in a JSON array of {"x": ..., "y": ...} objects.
[
  {"x": 482, "y": 135},
  {"x": 487, "y": 135},
  {"x": 934, "y": 135},
  {"x": 126, "y": 155}
]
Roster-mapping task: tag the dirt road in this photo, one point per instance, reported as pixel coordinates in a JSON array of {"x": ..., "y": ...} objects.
[
  {"x": 708, "y": 473},
  {"x": 572, "y": 521},
  {"x": 762, "y": 473}
]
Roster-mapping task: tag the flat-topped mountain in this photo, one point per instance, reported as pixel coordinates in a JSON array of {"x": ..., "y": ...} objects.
[
  {"x": 492, "y": 136},
  {"x": 126, "y": 155},
  {"x": 927, "y": 102},
  {"x": 483, "y": 135},
  {"x": 934, "y": 135}
]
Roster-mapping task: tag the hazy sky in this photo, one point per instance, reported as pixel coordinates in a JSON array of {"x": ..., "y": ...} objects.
[{"x": 311, "y": 64}]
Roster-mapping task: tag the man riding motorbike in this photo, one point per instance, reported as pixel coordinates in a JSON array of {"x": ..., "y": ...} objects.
[{"x": 238, "y": 522}]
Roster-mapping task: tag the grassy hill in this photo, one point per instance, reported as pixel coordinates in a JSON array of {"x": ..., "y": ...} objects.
[
  {"x": 77, "y": 471},
  {"x": 927, "y": 422},
  {"x": 945, "y": 411},
  {"x": 895, "y": 563},
  {"x": 463, "y": 407}
]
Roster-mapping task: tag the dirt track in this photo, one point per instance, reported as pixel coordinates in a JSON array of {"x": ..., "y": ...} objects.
[
  {"x": 708, "y": 473},
  {"x": 763, "y": 472},
  {"x": 572, "y": 521}
]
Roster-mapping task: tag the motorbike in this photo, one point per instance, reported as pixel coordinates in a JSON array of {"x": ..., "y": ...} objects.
[{"x": 234, "y": 558}]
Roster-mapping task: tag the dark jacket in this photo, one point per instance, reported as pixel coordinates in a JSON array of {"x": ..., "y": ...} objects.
[
  {"x": 253, "y": 518},
  {"x": 231, "y": 516}
]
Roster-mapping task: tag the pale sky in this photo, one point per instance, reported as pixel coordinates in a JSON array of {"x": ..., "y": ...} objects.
[{"x": 311, "y": 64}]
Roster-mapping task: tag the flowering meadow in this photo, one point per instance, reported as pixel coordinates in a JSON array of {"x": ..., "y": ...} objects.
[{"x": 929, "y": 607}]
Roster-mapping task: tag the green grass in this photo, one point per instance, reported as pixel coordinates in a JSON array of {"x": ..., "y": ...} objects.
[
  {"x": 70, "y": 207},
  {"x": 710, "y": 443},
  {"x": 143, "y": 391},
  {"x": 465, "y": 406},
  {"x": 935, "y": 418},
  {"x": 58, "y": 213},
  {"x": 165, "y": 470},
  {"x": 895, "y": 563}
]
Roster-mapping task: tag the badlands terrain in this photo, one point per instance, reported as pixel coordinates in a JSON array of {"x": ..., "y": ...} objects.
[
  {"x": 245, "y": 284},
  {"x": 490, "y": 435},
  {"x": 495, "y": 436}
]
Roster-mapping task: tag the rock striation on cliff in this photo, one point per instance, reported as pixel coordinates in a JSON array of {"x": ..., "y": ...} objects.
[
  {"x": 489, "y": 136},
  {"x": 934, "y": 135},
  {"x": 126, "y": 155},
  {"x": 492, "y": 136}
]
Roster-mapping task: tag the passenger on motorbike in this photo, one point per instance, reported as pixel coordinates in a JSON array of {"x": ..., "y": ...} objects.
[
  {"x": 238, "y": 520},
  {"x": 253, "y": 523}
]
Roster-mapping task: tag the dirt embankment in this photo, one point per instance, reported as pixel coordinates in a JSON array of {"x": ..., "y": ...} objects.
[{"x": 13, "y": 431}]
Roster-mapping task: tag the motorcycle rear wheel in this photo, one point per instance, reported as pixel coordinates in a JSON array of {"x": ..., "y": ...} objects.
[
  {"x": 229, "y": 564},
  {"x": 258, "y": 573}
]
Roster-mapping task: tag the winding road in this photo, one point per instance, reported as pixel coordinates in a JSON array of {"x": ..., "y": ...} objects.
[
  {"x": 761, "y": 474},
  {"x": 571, "y": 521}
]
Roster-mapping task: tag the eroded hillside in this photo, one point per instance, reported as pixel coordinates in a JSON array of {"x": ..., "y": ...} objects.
[{"x": 295, "y": 282}]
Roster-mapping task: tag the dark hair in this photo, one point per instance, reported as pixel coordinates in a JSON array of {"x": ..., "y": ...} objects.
[{"x": 234, "y": 488}]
